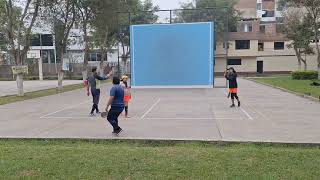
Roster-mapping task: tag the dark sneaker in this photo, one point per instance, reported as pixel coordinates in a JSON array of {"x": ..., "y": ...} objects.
[
  {"x": 232, "y": 106},
  {"x": 117, "y": 133},
  {"x": 98, "y": 112},
  {"x": 91, "y": 115},
  {"x": 238, "y": 103}
]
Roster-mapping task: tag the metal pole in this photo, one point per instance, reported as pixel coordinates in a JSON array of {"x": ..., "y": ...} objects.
[
  {"x": 54, "y": 52},
  {"x": 40, "y": 61},
  {"x": 227, "y": 43},
  {"x": 118, "y": 24},
  {"x": 170, "y": 16},
  {"x": 130, "y": 48}
]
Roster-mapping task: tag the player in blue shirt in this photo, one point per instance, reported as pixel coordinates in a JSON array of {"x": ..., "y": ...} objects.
[{"x": 117, "y": 105}]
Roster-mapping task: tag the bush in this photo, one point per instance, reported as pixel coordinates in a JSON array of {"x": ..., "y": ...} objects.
[{"x": 302, "y": 75}]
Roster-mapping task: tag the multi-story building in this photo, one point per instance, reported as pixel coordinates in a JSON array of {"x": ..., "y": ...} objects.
[{"x": 258, "y": 45}]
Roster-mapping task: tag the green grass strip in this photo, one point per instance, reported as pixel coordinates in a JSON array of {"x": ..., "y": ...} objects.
[
  {"x": 37, "y": 94},
  {"x": 299, "y": 86},
  {"x": 77, "y": 159}
]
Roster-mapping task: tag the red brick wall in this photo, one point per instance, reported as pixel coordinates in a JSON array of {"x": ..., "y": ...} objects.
[{"x": 268, "y": 5}]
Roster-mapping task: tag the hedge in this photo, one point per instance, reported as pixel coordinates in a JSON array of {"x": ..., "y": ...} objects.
[{"x": 302, "y": 75}]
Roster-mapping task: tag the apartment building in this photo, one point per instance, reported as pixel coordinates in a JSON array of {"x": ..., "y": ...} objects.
[{"x": 258, "y": 45}]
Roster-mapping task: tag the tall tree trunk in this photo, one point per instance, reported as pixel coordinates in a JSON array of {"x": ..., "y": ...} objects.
[
  {"x": 103, "y": 57},
  {"x": 60, "y": 79},
  {"x": 19, "y": 77},
  {"x": 61, "y": 74},
  {"x": 305, "y": 66},
  {"x": 103, "y": 50},
  {"x": 298, "y": 54},
  {"x": 317, "y": 46},
  {"x": 124, "y": 57},
  {"x": 86, "y": 52},
  {"x": 19, "y": 80}
]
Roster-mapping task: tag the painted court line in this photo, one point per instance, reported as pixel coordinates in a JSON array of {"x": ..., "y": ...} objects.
[
  {"x": 184, "y": 118},
  {"x": 244, "y": 111},
  {"x": 70, "y": 107},
  {"x": 69, "y": 117},
  {"x": 154, "y": 105}
]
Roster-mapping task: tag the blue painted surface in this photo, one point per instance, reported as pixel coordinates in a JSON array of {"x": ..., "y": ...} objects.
[{"x": 172, "y": 54}]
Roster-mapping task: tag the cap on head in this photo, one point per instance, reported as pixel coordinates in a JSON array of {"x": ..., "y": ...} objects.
[{"x": 124, "y": 77}]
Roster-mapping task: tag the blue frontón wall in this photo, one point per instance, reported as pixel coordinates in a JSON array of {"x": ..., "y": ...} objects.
[{"x": 172, "y": 55}]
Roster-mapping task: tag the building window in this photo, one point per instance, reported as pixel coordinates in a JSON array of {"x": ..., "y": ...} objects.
[
  {"x": 262, "y": 28},
  {"x": 278, "y": 45},
  {"x": 99, "y": 57},
  {"x": 47, "y": 39},
  {"x": 93, "y": 57},
  {"x": 35, "y": 40},
  {"x": 45, "y": 56},
  {"x": 259, "y": 6},
  {"x": 266, "y": 13},
  {"x": 242, "y": 44},
  {"x": 261, "y": 46},
  {"x": 250, "y": 27},
  {"x": 232, "y": 62}
]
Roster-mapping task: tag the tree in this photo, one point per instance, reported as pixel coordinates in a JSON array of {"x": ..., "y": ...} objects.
[
  {"x": 297, "y": 29},
  {"x": 20, "y": 17},
  {"x": 2, "y": 30},
  {"x": 62, "y": 15},
  {"x": 312, "y": 9},
  {"x": 140, "y": 13},
  {"x": 105, "y": 27},
  {"x": 86, "y": 17},
  {"x": 222, "y": 13}
]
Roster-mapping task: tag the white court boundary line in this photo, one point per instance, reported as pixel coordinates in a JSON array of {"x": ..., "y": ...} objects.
[
  {"x": 244, "y": 111},
  {"x": 70, "y": 107},
  {"x": 183, "y": 118},
  {"x": 138, "y": 118},
  {"x": 150, "y": 109}
]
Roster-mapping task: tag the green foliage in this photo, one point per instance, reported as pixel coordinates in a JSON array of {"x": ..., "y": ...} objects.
[
  {"x": 142, "y": 13},
  {"x": 104, "y": 22},
  {"x": 224, "y": 15},
  {"x": 303, "y": 75},
  {"x": 311, "y": 9},
  {"x": 298, "y": 29}
]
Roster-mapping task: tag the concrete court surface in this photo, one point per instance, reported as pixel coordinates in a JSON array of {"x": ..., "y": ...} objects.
[
  {"x": 266, "y": 115},
  {"x": 10, "y": 87}
]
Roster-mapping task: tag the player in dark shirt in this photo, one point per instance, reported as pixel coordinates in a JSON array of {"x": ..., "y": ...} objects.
[
  {"x": 93, "y": 83},
  {"x": 231, "y": 76}
]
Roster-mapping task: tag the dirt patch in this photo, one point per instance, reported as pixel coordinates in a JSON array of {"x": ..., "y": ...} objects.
[{"x": 27, "y": 173}]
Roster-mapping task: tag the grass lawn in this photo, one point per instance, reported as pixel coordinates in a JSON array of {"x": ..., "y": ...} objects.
[
  {"x": 75, "y": 159},
  {"x": 299, "y": 86},
  {"x": 41, "y": 93},
  {"x": 37, "y": 94}
]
